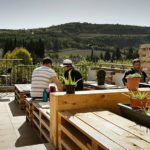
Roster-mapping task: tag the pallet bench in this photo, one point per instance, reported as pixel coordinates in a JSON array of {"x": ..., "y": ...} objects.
[
  {"x": 41, "y": 119},
  {"x": 21, "y": 92},
  {"x": 100, "y": 129},
  {"x": 28, "y": 109}
]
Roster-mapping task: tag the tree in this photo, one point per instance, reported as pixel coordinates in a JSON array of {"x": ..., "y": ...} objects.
[
  {"x": 101, "y": 56},
  {"x": 20, "y": 53},
  {"x": 118, "y": 54},
  {"x": 39, "y": 50},
  {"x": 130, "y": 54},
  {"x": 107, "y": 55},
  {"x": 31, "y": 46},
  {"x": 113, "y": 57},
  {"x": 92, "y": 53},
  {"x": 8, "y": 46},
  {"x": 57, "y": 45}
]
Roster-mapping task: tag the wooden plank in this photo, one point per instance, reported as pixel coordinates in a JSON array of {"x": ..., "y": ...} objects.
[
  {"x": 68, "y": 144},
  {"x": 45, "y": 125},
  {"x": 113, "y": 132},
  {"x": 73, "y": 136},
  {"x": 130, "y": 126},
  {"x": 46, "y": 135},
  {"x": 44, "y": 112},
  {"x": 36, "y": 114},
  {"x": 93, "y": 134},
  {"x": 23, "y": 87},
  {"x": 36, "y": 123}
]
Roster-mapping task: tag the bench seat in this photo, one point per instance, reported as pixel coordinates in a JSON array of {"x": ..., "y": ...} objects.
[{"x": 100, "y": 129}]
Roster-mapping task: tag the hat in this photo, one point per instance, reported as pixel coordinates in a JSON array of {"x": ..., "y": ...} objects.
[
  {"x": 66, "y": 62},
  {"x": 136, "y": 60}
]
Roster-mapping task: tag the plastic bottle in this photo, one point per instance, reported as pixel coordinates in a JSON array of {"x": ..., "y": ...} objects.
[{"x": 44, "y": 95}]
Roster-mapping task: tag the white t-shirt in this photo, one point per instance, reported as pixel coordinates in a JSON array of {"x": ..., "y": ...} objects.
[{"x": 40, "y": 80}]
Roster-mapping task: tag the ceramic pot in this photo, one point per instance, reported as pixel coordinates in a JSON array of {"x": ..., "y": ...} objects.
[
  {"x": 133, "y": 83},
  {"x": 138, "y": 103}
]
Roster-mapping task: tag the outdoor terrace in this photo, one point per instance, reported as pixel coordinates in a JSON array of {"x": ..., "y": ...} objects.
[{"x": 87, "y": 120}]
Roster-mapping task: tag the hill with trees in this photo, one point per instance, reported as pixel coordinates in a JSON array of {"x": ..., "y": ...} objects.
[{"x": 118, "y": 40}]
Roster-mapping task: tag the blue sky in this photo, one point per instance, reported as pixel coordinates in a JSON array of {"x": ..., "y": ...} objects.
[{"x": 20, "y": 14}]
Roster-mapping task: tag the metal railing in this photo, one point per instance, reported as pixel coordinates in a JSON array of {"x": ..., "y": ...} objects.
[{"x": 22, "y": 73}]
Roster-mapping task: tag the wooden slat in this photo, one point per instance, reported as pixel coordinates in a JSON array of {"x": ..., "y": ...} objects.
[
  {"x": 130, "y": 126},
  {"x": 47, "y": 137},
  {"x": 100, "y": 139},
  {"x": 23, "y": 87},
  {"x": 44, "y": 112},
  {"x": 36, "y": 115},
  {"x": 35, "y": 122},
  {"x": 113, "y": 132},
  {"x": 45, "y": 125},
  {"x": 68, "y": 144},
  {"x": 73, "y": 137}
]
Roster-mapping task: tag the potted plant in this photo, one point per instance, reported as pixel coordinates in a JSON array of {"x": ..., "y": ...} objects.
[
  {"x": 101, "y": 77},
  {"x": 138, "y": 100},
  {"x": 133, "y": 81},
  {"x": 70, "y": 84},
  {"x": 137, "y": 109}
]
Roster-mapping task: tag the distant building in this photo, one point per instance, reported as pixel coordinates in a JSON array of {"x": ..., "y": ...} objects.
[{"x": 144, "y": 55}]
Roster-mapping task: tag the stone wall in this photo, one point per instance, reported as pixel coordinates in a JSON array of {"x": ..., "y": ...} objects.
[
  {"x": 144, "y": 55},
  {"x": 113, "y": 75}
]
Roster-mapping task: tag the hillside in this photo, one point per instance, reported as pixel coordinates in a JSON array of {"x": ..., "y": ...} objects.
[{"x": 78, "y": 36}]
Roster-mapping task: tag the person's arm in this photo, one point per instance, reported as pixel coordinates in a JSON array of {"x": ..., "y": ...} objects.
[
  {"x": 145, "y": 78},
  {"x": 55, "y": 80},
  {"x": 124, "y": 80}
]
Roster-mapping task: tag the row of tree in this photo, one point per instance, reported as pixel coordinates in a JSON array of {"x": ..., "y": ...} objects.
[
  {"x": 114, "y": 55},
  {"x": 36, "y": 48}
]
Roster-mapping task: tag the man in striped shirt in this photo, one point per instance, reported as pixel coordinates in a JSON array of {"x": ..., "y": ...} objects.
[{"x": 41, "y": 77}]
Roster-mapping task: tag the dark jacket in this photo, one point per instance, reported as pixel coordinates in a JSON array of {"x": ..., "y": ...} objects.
[
  {"x": 132, "y": 71},
  {"x": 76, "y": 75}
]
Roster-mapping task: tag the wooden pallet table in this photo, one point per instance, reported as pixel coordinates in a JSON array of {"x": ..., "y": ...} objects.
[
  {"x": 41, "y": 118},
  {"x": 21, "y": 92},
  {"x": 100, "y": 129},
  {"x": 29, "y": 113}
]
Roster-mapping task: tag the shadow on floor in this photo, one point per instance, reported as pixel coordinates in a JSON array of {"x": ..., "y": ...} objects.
[
  {"x": 27, "y": 136},
  {"x": 15, "y": 109},
  {"x": 4, "y": 100},
  {"x": 5, "y": 97}
]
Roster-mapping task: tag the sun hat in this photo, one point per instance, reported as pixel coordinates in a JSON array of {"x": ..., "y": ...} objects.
[{"x": 66, "y": 62}]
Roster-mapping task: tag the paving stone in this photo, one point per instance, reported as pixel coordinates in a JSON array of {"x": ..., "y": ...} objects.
[{"x": 15, "y": 133}]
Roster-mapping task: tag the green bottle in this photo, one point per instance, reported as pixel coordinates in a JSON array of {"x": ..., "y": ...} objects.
[{"x": 44, "y": 95}]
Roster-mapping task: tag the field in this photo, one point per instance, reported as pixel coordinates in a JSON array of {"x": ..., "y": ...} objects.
[{"x": 84, "y": 53}]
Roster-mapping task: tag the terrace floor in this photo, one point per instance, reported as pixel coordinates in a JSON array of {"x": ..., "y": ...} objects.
[{"x": 14, "y": 131}]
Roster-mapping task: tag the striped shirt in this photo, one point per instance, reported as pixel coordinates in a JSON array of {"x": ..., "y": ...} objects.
[{"x": 40, "y": 80}]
